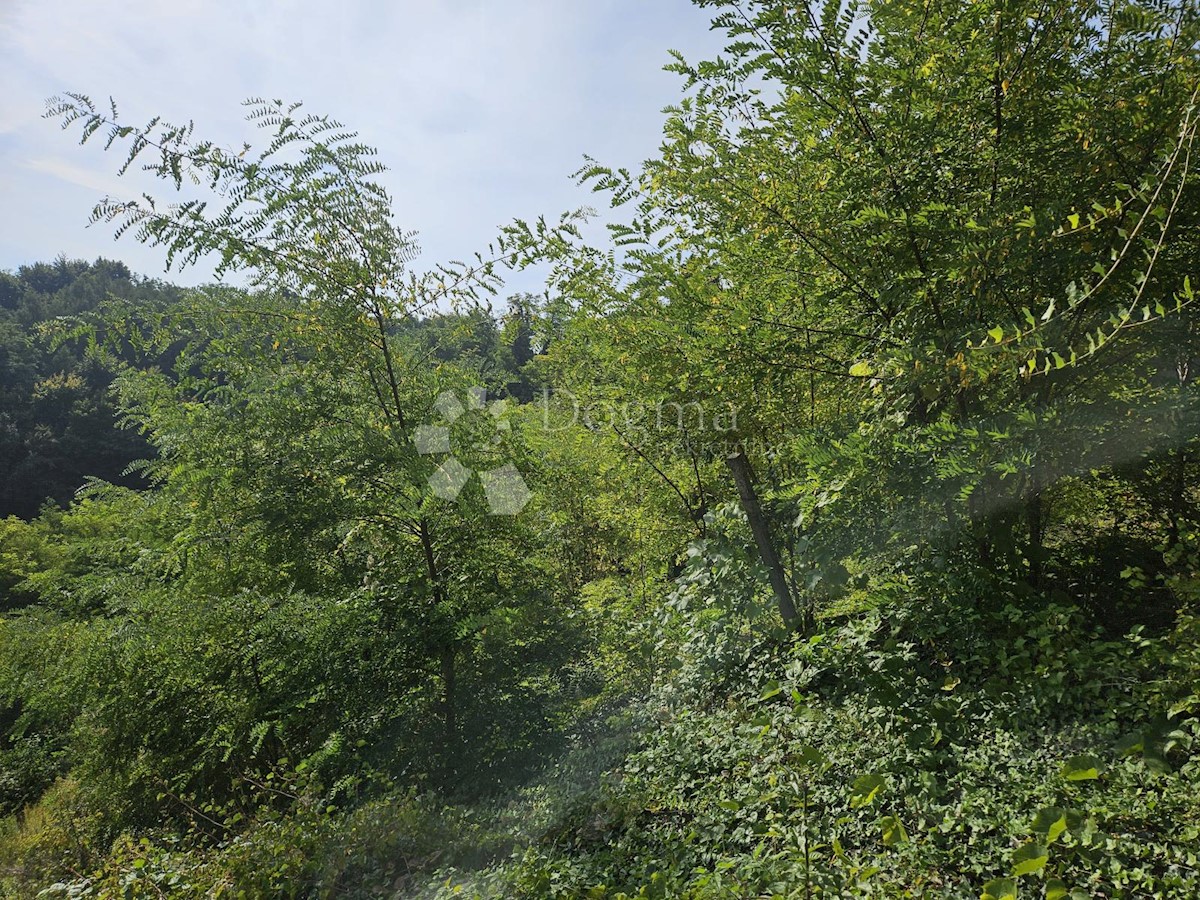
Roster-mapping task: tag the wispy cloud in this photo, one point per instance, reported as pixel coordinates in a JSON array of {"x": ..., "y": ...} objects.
[{"x": 79, "y": 176}]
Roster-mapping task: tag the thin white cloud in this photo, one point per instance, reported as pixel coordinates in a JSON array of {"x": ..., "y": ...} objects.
[{"x": 80, "y": 176}]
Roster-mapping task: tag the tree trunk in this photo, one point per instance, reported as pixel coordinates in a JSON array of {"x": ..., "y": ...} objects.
[
  {"x": 739, "y": 467},
  {"x": 1178, "y": 495},
  {"x": 1033, "y": 518},
  {"x": 448, "y": 652},
  {"x": 449, "y": 702}
]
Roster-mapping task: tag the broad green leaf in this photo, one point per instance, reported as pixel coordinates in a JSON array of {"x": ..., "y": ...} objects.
[
  {"x": 1050, "y": 822},
  {"x": 811, "y": 756},
  {"x": 1130, "y": 744},
  {"x": 865, "y": 789},
  {"x": 1000, "y": 889},
  {"x": 1082, "y": 768},
  {"x": 893, "y": 831},
  {"x": 1031, "y": 857}
]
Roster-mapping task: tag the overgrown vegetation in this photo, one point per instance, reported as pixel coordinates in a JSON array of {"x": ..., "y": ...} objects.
[{"x": 831, "y": 533}]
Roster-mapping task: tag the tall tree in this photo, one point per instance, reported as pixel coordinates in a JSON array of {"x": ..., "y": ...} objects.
[{"x": 902, "y": 239}]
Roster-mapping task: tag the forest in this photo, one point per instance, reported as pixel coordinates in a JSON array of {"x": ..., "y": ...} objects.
[{"x": 828, "y": 525}]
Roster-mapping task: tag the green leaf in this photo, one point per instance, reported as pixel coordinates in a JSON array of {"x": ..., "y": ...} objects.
[
  {"x": 1000, "y": 889},
  {"x": 1130, "y": 744},
  {"x": 865, "y": 789},
  {"x": 772, "y": 689},
  {"x": 893, "y": 831},
  {"x": 861, "y": 369},
  {"x": 996, "y": 334},
  {"x": 1050, "y": 823},
  {"x": 1082, "y": 768},
  {"x": 1055, "y": 889},
  {"x": 811, "y": 756},
  {"x": 1031, "y": 857}
]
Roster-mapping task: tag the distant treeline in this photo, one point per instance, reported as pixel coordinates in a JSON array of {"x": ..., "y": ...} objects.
[
  {"x": 57, "y": 420},
  {"x": 58, "y": 424}
]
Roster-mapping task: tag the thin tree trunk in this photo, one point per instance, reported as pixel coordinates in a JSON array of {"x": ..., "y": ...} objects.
[
  {"x": 449, "y": 702},
  {"x": 739, "y": 467},
  {"x": 1034, "y": 519},
  {"x": 448, "y": 651},
  {"x": 1178, "y": 494}
]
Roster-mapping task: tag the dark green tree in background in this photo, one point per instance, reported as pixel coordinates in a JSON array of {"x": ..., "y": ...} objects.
[{"x": 58, "y": 423}]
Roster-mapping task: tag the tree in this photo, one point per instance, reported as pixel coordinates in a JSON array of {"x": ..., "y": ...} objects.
[
  {"x": 901, "y": 238},
  {"x": 285, "y": 429}
]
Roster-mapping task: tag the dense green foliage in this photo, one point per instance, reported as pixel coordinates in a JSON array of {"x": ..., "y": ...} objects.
[
  {"x": 55, "y": 412},
  {"x": 833, "y": 532}
]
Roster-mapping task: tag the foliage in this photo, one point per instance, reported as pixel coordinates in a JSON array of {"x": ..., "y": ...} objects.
[
  {"x": 894, "y": 754},
  {"x": 927, "y": 266},
  {"x": 57, "y": 419}
]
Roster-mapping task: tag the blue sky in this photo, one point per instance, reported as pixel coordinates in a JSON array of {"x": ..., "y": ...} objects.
[{"x": 481, "y": 109}]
